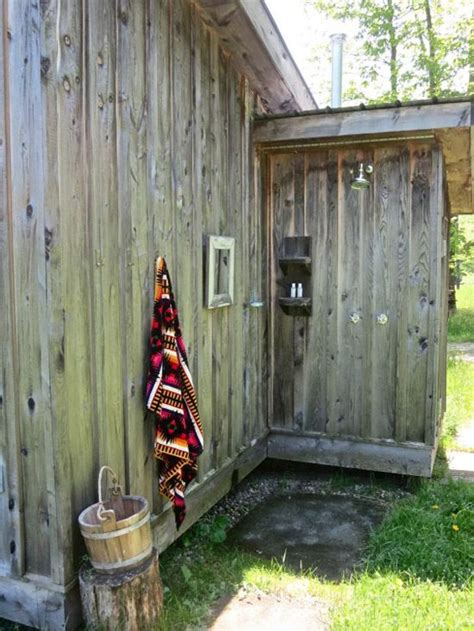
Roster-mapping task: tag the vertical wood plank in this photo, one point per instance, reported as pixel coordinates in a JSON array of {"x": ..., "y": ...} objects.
[
  {"x": 236, "y": 349},
  {"x": 108, "y": 328},
  {"x": 283, "y": 211},
  {"x": 436, "y": 288},
  {"x": 249, "y": 182},
  {"x": 158, "y": 131},
  {"x": 261, "y": 268},
  {"x": 257, "y": 244},
  {"x": 387, "y": 183},
  {"x": 182, "y": 168},
  {"x": 367, "y": 251},
  {"x": 27, "y": 235},
  {"x": 333, "y": 270},
  {"x": 220, "y": 149},
  {"x": 197, "y": 211},
  {"x": 366, "y": 285},
  {"x": 72, "y": 158},
  {"x": 216, "y": 200},
  {"x": 403, "y": 254},
  {"x": 418, "y": 289},
  {"x": 255, "y": 322},
  {"x": 136, "y": 271},
  {"x": 443, "y": 356},
  {"x": 50, "y": 51},
  {"x": 67, "y": 267},
  {"x": 204, "y": 199},
  {"x": 350, "y": 334},
  {"x": 300, "y": 332},
  {"x": 11, "y": 524},
  {"x": 315, "y": 361}
]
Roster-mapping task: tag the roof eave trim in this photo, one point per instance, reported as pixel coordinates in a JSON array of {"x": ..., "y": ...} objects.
[{"x": 249, "y": 33}]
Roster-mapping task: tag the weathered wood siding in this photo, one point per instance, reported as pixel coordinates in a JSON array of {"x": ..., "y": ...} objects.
[
  {"x": 373, "y": 252},
  {"x": 125, "y": 135}
]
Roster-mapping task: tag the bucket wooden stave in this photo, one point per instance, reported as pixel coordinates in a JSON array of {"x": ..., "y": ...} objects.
[{"x": 116, "y": 531}]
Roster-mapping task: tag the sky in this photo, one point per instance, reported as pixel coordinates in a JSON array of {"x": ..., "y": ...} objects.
[
  {"x": 302, "y": 35},
  {"x": 306, "y": 33}
]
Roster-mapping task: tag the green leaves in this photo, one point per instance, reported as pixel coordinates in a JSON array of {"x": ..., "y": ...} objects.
[
  {"x": 208, "y": 531},
  {"x": 218, "y": 529},
  {"x": 186, "y": 572},
  {"x": 405, "y": 49},
  {"x": 461, "y": 251}
]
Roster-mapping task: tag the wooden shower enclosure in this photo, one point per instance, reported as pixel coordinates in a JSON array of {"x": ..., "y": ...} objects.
[
  {"x": 358, "y": 381},
  {"x": 357, "y": 365}
]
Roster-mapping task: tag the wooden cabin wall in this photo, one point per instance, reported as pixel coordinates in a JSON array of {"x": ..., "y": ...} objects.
[
  {"x": 382, "y": 250},
  {"x": 126, "y": 136}
]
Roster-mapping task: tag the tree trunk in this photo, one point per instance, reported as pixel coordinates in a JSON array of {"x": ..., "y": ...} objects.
[
  {"x": 393, "y": 52},
  {"x": 128, "y": 601}
]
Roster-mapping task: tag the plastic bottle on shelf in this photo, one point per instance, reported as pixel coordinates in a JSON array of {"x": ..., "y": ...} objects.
[
  {"x": 299, "y": 291},
  {"x": 293, "y": 290}
]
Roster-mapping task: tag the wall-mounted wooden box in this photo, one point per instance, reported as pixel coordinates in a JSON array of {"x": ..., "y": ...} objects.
[{"x": 295, "y": 263}]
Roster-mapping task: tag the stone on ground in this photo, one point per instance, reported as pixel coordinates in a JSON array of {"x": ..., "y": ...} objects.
[{"x": 325, "y": 533}]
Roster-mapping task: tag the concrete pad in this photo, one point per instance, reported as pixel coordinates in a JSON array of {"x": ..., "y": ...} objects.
[
  {"x": 465, "y": 349},
  {"x": 461, "y": 465},
  {"x": 268, "y": 612},
  {"x": 323, "y": 532}
]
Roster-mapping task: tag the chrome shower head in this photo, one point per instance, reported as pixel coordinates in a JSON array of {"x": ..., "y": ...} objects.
[{"x": 360, "y": 182}]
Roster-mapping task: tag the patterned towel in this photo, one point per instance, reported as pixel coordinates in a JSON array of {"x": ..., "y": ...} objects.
[{"x": 171, "y": 397}]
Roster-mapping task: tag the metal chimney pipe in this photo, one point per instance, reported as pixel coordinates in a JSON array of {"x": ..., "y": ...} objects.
[{"x": 337, "y": 43}]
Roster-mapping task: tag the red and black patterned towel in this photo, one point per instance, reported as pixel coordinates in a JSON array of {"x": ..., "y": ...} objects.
[{"x": 171, "y": 397}]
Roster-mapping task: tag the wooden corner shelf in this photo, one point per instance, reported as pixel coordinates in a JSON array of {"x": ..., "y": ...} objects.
[
  {"x": 303, "y": 263},
  {"x": 296, "y": 306}
]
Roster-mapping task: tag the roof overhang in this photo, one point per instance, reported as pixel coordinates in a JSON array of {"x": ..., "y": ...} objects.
[
  {"x": 449, "y": 122},
  {"x": 248, "y": 31}
]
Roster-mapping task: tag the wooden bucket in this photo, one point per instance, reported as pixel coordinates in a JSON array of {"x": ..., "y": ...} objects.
[{"x": 116, "y": 531}]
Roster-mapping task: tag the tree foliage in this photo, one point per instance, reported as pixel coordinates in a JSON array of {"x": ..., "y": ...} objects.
[
  {"x": 406, "y": 48},
  {"x": 461, "y": 251}
]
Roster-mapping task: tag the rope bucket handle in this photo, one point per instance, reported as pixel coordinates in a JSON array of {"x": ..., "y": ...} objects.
[{"x": 102, "y": 513}]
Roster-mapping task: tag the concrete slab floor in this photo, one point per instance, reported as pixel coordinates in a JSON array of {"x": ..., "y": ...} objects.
[{"x": 326, "y": 533}]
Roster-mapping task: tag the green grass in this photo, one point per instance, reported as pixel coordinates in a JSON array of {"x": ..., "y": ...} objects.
[
  {"x": 387, "y": 603},
  {"x": 461, "y": 323},
  {"x": 459, "y": 401},
  {"x": 429, "y": 537},
  {"x": 417, "y": 572}
]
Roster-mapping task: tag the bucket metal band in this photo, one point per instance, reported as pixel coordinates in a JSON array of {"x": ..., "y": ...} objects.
[{"x": 123, "y": 564}]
